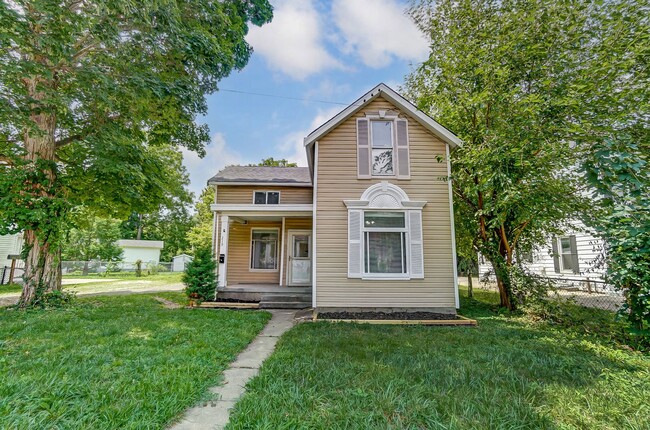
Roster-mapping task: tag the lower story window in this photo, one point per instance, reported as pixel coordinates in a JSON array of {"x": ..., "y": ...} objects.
[
  {"x": 385, "y": 242},
  {"x": 264, "y": 249}
]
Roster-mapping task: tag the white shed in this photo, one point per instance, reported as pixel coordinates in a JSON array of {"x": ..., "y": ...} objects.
[
  {"x": 146, "y": 250},
  {"x": 180, "y": 261}
]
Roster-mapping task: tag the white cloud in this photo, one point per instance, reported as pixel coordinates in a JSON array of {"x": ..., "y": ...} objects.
[
  {"x": 292, "y": 42},
  {"x": 378, "y": 31},
  {"x": 293, "y": 146},
  {"x": 218, "y": 155}
]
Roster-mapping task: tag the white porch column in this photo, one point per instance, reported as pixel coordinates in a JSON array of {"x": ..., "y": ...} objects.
[
  {"x": 282, "y": 247},
  {"x": 223, "y": 249}
]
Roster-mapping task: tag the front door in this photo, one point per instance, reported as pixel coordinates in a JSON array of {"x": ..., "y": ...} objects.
[{"x": 299, "y": 258}]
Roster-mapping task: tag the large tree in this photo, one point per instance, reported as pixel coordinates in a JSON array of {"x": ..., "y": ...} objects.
[
  {"x": 200, "y": 235},
  {"x": 534, "y": 89},
  {"x": 496, "y": 75},
  {"x": 87, "y": 88}
]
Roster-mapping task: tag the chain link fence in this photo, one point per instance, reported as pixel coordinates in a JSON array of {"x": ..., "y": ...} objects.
[
  {"x": 74, "y": 268},
  {"x": 591, "y": 293}
]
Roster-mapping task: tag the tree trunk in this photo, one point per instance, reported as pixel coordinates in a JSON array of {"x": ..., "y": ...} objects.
[
  {"x": 42, "y": 268},
  {"x": 470, "y": 286},
  {"x": 138, "y": 235},
  {"x": 43, "y": 263},
  {"x": 85, "y": 269}
]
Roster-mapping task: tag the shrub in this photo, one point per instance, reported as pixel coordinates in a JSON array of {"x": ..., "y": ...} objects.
[{"x": 200, "y": 278}]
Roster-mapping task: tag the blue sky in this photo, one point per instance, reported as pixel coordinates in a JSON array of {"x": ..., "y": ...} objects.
[{"x": 312, "y": 50}]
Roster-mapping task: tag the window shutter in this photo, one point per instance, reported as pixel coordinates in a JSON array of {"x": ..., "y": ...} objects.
[
  {"x": 354, "y": 243},
  {"x": 416, "y": 251},
  {"x": 574, "y": 255},
  {"x": 556, "y": 256},
  {"x": 403, "y": 162},
  {"x": 363, "y": 149}
]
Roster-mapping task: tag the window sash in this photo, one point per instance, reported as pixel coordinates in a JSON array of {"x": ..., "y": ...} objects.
[
  {"x": 266, "y": 197},
  {"x": 383, "y": 255},
  {"x": 566, "y": 254},
  {"x": 382, "y": 148},
  {"x": 264, "y": 250}
]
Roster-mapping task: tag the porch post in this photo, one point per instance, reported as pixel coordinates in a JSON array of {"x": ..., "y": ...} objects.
[
  {"x": 223, "y": 249},
  {"x": 282, "y": 247}
]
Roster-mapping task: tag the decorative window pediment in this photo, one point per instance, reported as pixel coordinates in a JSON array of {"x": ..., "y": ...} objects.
[{"x": 384, "y": 195}]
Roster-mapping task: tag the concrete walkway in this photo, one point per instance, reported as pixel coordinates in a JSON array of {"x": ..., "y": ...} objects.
[{"x": 215, "y": 415}]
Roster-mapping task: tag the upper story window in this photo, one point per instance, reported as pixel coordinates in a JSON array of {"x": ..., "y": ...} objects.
[
  {"x": 383, "y": 147},
  {"x": 381, "y": 140},
  {"x": 266, "y": 197}
]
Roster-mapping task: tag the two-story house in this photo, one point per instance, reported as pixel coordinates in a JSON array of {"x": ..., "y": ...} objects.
[{"x": 368, "y": 225}]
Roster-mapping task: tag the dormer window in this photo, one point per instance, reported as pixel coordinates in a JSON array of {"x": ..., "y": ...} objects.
[
  {"x": 381, "y": 138},
  {"x": 266, "y": 197}
]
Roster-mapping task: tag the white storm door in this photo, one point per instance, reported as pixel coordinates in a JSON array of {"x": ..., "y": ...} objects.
[{"x": 299, "y": 258}]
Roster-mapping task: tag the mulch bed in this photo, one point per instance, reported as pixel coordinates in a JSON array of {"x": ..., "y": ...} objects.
[{"x": 385, "y": 316}]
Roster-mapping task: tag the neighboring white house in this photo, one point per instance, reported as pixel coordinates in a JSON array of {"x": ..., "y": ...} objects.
[
  {"x": 148, "y": 251},
  {"x": 179, "y": 262},
  {"x": 576, "y": 255},
  {"x": 11, "y": 244}
]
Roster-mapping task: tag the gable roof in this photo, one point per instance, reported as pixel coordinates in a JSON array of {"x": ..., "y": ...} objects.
[
  {"x": 240, "y": 175},
  {"x": 389, "y": 94}
]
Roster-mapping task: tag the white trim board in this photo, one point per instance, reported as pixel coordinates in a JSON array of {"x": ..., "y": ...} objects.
[
  {"x": 389, "y": 94},
  {"x": 262, "y": 208}
]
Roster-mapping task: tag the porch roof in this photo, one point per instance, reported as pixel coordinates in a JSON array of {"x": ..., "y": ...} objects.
[{"x": 242, "y": 175}]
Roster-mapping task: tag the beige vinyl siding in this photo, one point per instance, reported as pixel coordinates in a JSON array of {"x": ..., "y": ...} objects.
[
  {"x": 239, "y": 259},
  {"x": 337, "y": 181},
  {"x": 243, "y": 194},
  {"x": 292, "y": 224}
]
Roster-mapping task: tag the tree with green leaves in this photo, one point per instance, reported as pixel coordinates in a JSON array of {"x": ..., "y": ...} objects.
[
  {"x": 533, "y": 89},
  {"x": 200, "y": 277},
  {"x": 496, "y": 77},
  {"x": 89, "y": 91},
  {"x": 272, "y": 162},
  {"x": 619, "y": 172},
  {"x": 200, "y": 235},
  {"x": 92, "y": 238}
]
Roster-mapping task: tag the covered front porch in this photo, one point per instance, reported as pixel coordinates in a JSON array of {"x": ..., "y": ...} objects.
[{"x": 264, "y": 256}]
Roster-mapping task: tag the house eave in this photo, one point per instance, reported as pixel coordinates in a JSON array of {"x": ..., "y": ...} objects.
[{"x": 399, "y": 101}]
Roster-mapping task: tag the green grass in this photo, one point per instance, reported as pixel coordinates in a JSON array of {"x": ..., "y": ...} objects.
[
  {"x": 114, "y": 362},
  {"x": 10, "y": 288},
  {"x": 124, "y": 275},
  {"x": 510, "y": 372}
]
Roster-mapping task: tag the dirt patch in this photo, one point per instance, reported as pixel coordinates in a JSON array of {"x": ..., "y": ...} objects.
[
  {"x": 168, "y": 304},
  {"x": 385, "y": 316}
]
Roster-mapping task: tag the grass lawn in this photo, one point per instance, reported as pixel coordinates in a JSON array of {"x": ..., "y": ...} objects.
[
  {"x": 509, "y": 373},
  {"x": 114, "y": 362},
  {"x": 10, "y": 288}
]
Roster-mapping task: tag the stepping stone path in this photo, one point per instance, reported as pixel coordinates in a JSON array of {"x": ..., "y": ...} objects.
[{"x": 215, "y": 414}]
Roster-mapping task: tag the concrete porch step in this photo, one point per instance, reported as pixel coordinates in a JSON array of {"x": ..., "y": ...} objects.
[
  {"x": 285, "y": 305},
  {"x": 279, "y": 297}
]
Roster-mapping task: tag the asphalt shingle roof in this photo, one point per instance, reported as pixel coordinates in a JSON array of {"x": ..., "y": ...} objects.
[{"x": 262, "y": 174}]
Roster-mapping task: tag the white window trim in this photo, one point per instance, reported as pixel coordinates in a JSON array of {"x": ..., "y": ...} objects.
[
  {"x": 372, "y": 201},
  {"x": 561, "y": 254},
  {"x": 406, "y": 246},
  {"x": 250, "y": 249},
  {"x": 393, "y": 147},
  {"x": 266, "y": 193}
]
